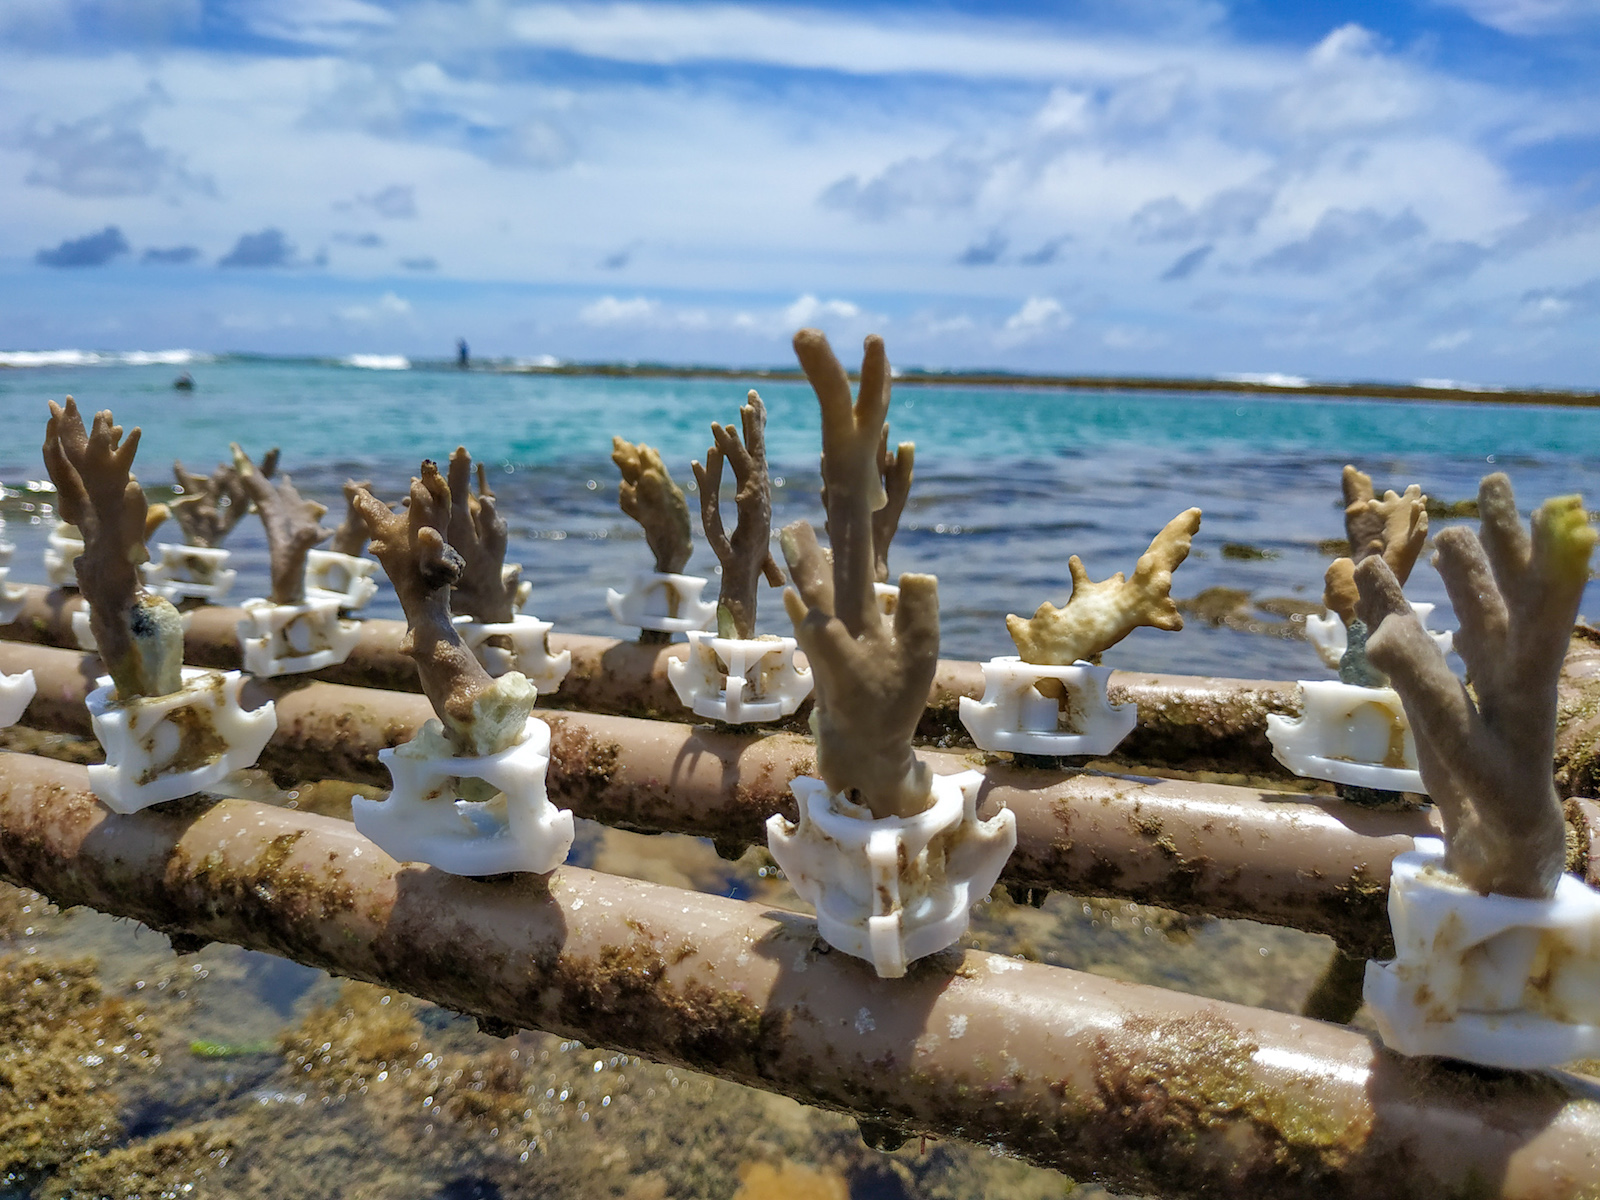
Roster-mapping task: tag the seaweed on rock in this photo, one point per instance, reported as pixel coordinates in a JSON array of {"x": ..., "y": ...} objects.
[
  {"x": 745, "y": 556},
  {"x": 872, "y": 678},
  {"x": 139, "y": 634},
  {"x": 1486, "y": 753}
]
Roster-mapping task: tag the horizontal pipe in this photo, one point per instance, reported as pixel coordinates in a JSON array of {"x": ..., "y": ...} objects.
[
  {"x": 1219, "y": 724},
  {"x": 1312, "y": 862},
  {"x": 1135, "y": 1087}
]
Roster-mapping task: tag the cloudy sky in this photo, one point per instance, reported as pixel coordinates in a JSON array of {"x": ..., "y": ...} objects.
[{"x": 1399, "y": 189}]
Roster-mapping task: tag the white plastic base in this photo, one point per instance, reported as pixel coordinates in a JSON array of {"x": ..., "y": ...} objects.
[
  {"x": 1496, "y": 980},
  {"x": 530, "y": 652},
  {"x": 346, "y": 578},
  {"x": 895, "y": 889},
  {"x": 142, "y": 739},
  {"x": 1013, "y": 715},
  {"x": 888, "y": 597},
  {"x": 83, "y": 632},
  {"x": 647, "y": 602},
  {"x": 739, "y": 680},
  {"x": 62, "y": 548},
  {"x": 11, "y": 598},
  {"x": 422, "y": 821},
  {"x": 1330, "y": 639},
  {"x": 285, "y": 639},
  {"x": 16, "y": 692},
  {"x": 190, "y": 572},
  {"x": 1348, "y": 734}
]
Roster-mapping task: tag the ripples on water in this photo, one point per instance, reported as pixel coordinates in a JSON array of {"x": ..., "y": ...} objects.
[{"x": 1009, "y": 482}]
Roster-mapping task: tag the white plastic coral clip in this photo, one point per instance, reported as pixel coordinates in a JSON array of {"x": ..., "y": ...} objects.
[
  {"x": 529, "y": 652},
  {"x": 664, "y": 603},
  {"x": 16, "y": 693},
  {"x": 739, "y": 680},
  {"x": 62, "y": 548},
  {"x": 1330, "y": 639},
  {"x": 11, "y": 597},
  {"x": 1013, "y": 714},
  {"x": 347, "y": 578},
  {"x": 190, "y": 572},
  {"x": 286, "y": 639},
  {"x": 163, "y": 747},
  {"x": 514, "y": 827},
  {"x": 1348, "y": 734},
  {"x": 892, "y": 890},
  {"x": 1497, "y": 980}
]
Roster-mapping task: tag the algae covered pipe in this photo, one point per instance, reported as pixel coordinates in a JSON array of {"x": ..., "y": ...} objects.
[
  {"x": 1216, "y": 723},
  {"x": 1313, "y": 863},
  {"x": 1135, "y": 1087}
]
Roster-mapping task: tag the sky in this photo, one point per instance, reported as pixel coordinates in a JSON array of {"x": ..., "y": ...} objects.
[{"x": 1399, "y": 190}]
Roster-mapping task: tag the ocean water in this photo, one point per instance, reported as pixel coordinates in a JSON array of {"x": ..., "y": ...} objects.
[{"x": 1009, "y": 481}]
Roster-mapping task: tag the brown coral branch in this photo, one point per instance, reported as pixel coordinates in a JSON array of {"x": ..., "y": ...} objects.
[
  {"x": 871, "y": 679},
  {"x": 895, "y": 469},
  {"x": 487, "y": 589},
  {"x": 746, "y": 556},
  {"x": 1394, "y": 527},
  {"x": 351, "y": 535},
  {"x": 649, "y": 496},
  {"x": 1099, "y": 615},
  {"x": 1486, "y": 755},
  {"x": 138, "y": 633},
  {"x": 212, "y": 505},
  {"x": 293, "y": 526},
  {"x": 480, "y": 715}
]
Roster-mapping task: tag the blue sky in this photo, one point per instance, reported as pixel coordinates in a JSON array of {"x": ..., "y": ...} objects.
[{"x": 1398, "y": 190}]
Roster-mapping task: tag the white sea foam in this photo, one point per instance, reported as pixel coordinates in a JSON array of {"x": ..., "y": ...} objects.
[
  {"x": 377, "y": 362},
  {"x": 100, "y": 358},
  {"x": 545, "y": 361},
  {"x": 1456, "y": 385},
  {"x": 1270, "y": 378}
]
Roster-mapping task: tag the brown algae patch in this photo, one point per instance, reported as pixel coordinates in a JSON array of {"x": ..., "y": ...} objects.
[
  {"x": 176, "y": 1164},
  {"x": 62, "y": 1043},
  {"x": 1191, "y": 1088}
]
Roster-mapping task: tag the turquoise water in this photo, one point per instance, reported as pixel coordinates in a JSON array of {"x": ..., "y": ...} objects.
[{"x": 1009, "y": 481}]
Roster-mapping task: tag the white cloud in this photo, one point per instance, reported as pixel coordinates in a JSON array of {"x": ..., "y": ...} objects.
[
  {"x": 1038, "y": 315},
  {"x": 387, "y": 307},
  {"x": 808, "y": 310},
  {"x": 1529, "y": 17},
  {"x": 608, "y": 310}
]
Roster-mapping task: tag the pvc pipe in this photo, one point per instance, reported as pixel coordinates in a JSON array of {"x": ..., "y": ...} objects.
[
  {"x": 1311, "y": 862},
  {"x": 1219, "y": 724},
  {"x": 1137, "y": 1088}
]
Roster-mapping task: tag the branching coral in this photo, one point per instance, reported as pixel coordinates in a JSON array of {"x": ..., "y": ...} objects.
[
  {"x": 1099, "y": 615},
  {"x": 480, "y": 715},
  {"x": 872, "y": 679},
  {"x": 139, "y": 634},
  {"x": 487, "y": 589},
  {"x": 1395, "y": 528},
  {"x": 351, "y": 535},
  {"x": 649, "y": 496},
  {"x": 212, "y": 505},
  {"x": 745, "y": 556},
  {"x": 895, "y": 468},
  {"x": 1486, "y": 753},
  {"x": 293, "y": 526}
]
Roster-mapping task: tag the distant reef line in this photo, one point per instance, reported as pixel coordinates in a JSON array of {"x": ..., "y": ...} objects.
[{"x": 1103, "y": 383}]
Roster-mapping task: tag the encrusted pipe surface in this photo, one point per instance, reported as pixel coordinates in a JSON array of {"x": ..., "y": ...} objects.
[
  {"x": 1315, "y": 863},
  {"x": 1183, "y": 719},
  {"x": 1138, "y": 1088}
]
